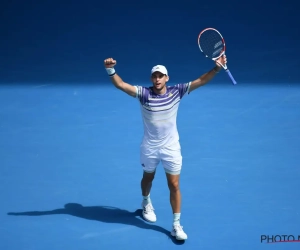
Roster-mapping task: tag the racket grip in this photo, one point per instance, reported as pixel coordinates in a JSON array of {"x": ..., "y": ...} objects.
[{"x": 231, "y": 77}]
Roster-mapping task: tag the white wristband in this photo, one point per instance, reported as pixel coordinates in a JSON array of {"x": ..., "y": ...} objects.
[{"x": 110, "y": 71}]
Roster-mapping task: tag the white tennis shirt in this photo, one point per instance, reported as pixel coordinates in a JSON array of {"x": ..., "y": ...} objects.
[{"x": 159, "y": 113}]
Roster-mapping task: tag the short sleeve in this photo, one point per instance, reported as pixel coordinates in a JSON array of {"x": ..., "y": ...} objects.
[
  {"x": 142, "y": 94},
  {"x": 183, "y": 89}
]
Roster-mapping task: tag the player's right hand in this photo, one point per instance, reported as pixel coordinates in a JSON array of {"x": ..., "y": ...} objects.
[{"x": 109, "y": 63}]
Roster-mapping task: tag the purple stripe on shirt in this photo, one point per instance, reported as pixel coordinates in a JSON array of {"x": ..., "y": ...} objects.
[
  {"x": 145, "y": 93},
  {"x": 165, "y": 101},
  {"x": 162, "y": 109}
]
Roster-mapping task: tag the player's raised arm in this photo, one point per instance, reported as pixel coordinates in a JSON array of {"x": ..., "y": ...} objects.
[
  {"x": 109, "y": 64},
  {"x": 208, "y": 76}
]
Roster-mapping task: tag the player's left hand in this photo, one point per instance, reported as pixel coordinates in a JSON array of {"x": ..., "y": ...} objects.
[{"x": 221, "y": 61}]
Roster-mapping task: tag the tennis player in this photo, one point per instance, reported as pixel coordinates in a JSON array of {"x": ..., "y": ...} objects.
[{"x": 159, "y": 105}]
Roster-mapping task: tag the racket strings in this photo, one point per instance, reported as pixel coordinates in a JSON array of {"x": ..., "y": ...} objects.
[{"x": 211, "y": 43}]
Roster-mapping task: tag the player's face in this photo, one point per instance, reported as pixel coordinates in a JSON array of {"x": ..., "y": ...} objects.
[{"x": 159, "y": 80}]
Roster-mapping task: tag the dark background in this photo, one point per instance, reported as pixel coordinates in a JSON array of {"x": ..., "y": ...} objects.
[{"x": 66, "y": 41}]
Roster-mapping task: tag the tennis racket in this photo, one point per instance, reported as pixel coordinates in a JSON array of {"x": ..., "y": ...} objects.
[{"x": 212, "y": 45}]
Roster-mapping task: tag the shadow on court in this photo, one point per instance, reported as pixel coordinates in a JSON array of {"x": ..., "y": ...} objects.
[{"x": 104, "y": 214}]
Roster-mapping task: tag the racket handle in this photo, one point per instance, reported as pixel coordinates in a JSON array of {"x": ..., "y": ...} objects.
[{"x": 231, "y": 77}]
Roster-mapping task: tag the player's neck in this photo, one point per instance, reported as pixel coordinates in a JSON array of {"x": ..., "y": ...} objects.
[{"x": 160, "y": 91}]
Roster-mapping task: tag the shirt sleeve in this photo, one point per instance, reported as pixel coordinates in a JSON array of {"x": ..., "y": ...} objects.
[
  {"x": 142, "y": 94},
  {"x": 183, "y": 88}
]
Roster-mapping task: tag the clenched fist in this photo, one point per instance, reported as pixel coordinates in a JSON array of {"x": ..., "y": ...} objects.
[{"x": 109, "y": 63}]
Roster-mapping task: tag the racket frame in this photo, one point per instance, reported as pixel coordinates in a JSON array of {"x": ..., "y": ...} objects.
[{"x": 222, "y": 53}]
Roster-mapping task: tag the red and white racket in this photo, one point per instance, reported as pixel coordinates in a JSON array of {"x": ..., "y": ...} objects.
[{"x": 212, "y": 44}]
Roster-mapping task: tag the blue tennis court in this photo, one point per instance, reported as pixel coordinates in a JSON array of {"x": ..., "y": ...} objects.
[{"x": 70, "y": 174}]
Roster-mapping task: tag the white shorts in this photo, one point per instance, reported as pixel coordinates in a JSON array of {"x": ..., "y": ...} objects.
[{"x": 169, "y": 156}]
